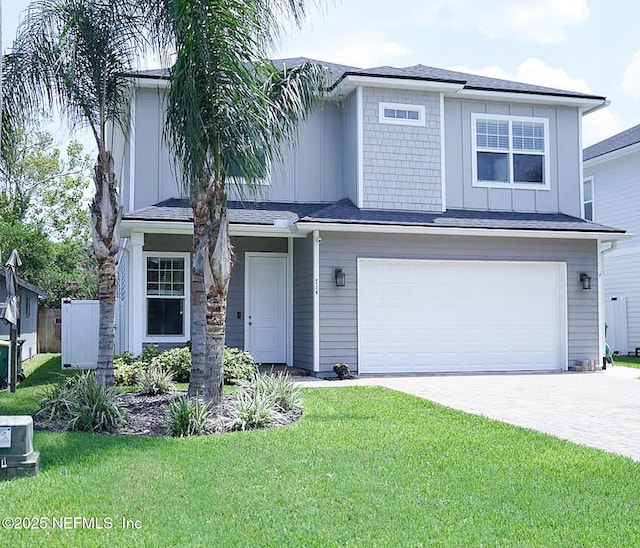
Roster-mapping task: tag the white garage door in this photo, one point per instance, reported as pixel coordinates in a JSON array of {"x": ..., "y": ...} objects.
[{"x": 439, "y": 316}]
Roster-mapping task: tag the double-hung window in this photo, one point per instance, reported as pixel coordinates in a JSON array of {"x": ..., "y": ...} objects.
[
  {"x": 587, "y": 199},
  {"x": 166, "y": 287},
  {"x": 510, "y": 151}
]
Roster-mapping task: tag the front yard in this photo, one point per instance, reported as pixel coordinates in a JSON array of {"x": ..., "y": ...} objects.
[{"x": 364, "y": 467}]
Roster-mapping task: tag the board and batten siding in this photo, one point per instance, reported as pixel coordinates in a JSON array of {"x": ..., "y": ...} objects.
[
  {"x": 564, "y": 155},
  {"x": 350, "y": 147},
  {"x": 401, "y": 163},
  {"x": 616, "y": 183},
  {"x": 303, "y": 302},
  {"x": 338, "y": 305}
]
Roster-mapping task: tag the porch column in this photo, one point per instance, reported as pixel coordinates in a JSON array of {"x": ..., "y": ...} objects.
[{"x": 137, "y": 294}]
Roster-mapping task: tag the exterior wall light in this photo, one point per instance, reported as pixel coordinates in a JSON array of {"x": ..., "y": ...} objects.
[
  {"x": 585, "y": 280},
  {"x": 340, "y": 276}
]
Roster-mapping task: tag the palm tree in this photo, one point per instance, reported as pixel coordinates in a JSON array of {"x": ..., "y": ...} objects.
[
  {"x": 72, "y": 55},
  {"x": 229, "y": 108}
]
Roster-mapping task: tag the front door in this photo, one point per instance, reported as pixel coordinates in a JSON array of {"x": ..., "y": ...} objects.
[{"x": 266, "y": 307}]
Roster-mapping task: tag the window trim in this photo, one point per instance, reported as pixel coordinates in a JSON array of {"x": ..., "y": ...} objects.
[
  {"x": 146, "y": 338},
  {"x": 589, "y": 179},
  {"x": 401, "y": 121},
  {"x": 545, "y": 185},
  {"x": 27, "y": 306}
]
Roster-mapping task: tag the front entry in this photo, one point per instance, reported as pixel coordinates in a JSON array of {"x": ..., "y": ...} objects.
[{"x": 265, "y": 334}]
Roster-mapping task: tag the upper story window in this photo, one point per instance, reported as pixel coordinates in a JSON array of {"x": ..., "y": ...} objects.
[
  {"x": 587, "y": 199},
  {"x": 510, "y": 151},
  {"x": 397, "y": 113}
]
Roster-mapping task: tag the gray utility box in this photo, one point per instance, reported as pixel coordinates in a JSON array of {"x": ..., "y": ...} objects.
[{"x": 17, "y": 457}]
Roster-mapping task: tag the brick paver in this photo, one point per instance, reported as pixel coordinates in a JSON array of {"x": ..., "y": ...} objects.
[{"x": 599, "y": 409}]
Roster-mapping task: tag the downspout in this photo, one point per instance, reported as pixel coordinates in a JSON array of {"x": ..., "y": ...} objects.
[{"x": 316, "y": 300}]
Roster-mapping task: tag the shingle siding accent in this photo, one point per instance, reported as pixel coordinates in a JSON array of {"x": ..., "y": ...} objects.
[
  {"x": 401, "y": 163},
  {"x": 338, "y": 305}
]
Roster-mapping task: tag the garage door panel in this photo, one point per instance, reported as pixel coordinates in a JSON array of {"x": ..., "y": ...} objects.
[{"x": 421, "y": 316}]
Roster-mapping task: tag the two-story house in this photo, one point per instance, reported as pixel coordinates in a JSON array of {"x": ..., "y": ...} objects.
[
  {"x": 611, "y": 182},
  {"x": 427, "y": 221}
]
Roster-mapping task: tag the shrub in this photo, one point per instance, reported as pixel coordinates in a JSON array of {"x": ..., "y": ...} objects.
[
  {"x": 238, "y": 365},
  {"x": 263, "y": 401},
  {"x": 341, "y": 370},
  {"x": 176, "y": 360},
  {"x": 126, "y": 372},
  {"x": 125, "y": 357},
  {"x": 252, "y": 409},
  {"x": 148, "y": 353},
  {"x": 85, "y": 405},
  {"x": 189, "y": 417},
  {"x": 286, "y": 395},
  {"x": 155, "y": 380}
]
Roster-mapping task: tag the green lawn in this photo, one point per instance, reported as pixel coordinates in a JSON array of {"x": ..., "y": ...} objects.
[
  {"x": 627, "y": 361},
  {"x": 363, "y": 467}
]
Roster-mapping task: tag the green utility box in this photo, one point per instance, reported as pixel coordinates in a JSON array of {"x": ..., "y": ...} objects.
[
  {"x": 5, "y": 347},
  {"x": 4, "y": 363},
  {"x": 17, "y": 457}
]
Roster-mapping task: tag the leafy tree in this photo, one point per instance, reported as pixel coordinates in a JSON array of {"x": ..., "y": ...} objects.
[
  {"x": 229, "y": 108},
  {"x": 73, "y": 55}
]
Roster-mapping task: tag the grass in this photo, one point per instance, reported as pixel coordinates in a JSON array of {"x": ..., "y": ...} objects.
[
  {"x": 627, "y": 361},
  {"x": 363, "y": 467}
]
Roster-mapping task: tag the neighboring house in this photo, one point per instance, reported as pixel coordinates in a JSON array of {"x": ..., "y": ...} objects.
[
  {"x": 611, "y": 195},
  {"x": 28, "y": 322},
  {"x": 427, "y": 221}
]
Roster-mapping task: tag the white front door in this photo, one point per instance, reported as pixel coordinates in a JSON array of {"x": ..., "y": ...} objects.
[{"x": 266, "y": 306}]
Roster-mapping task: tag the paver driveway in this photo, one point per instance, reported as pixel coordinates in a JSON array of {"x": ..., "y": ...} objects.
[{"x": 599, "y": 409}]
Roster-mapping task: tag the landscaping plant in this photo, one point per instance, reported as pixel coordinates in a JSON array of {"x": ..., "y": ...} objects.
[
  {"x": 155, "y": 379},
  {"x": 176, "y": 360},
  {"x": 342, "y": 370},
  {"x": 189, "y": 417},
  {"x": 238, "y": 365},
  {"x": 84, "y": 404}
]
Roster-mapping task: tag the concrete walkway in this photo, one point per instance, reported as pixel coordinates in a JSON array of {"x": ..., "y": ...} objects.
[{"x": 599, "y": 409}]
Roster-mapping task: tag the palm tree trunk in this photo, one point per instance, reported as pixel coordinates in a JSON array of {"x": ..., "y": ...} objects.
[
  {"x": 220, "y": 265},
  {"x": 106, "y": 335},
  {"x": 105, "y": 219},
  {"x": 198, "y": 296}
]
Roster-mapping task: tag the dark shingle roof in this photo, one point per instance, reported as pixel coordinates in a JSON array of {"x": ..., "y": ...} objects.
[
  {"x": 622, "y": 140},
  {"x": 416, "y": 72},
  {"x": 258, "y": 213},
  {"x": 344, "y": 212}
]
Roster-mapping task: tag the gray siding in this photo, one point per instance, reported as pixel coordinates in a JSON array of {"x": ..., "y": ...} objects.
[
  {"x": 311, "y": 170},
  {"x": 616, "y": 184},
  {"x": 303, "y": 303},
  {"x": 350, "y": 147},
  {"x": 564, "y": 155},
  {"x": 156, "y": 176},
  {"x": 235, "y": 300},
  {"x": 401, "y": 163},
  {"x": 338, "y": 305},
  {"x": 28, "y": 324}
]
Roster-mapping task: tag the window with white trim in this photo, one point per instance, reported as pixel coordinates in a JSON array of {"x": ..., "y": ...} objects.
[
  {"x": 587, "y": 199},
  {"x": 165, "y": 295},
  {"x": 510, "y": 151},
  {"x": 398, "y": 113}
]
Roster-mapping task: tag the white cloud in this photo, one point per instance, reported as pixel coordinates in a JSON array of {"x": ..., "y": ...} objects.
[
  {"x": 361, "y": 49},
  {"x": 543, "y": 22},
  {"x": 533, "y": 71},
  {"x": 631, "y": 80}
]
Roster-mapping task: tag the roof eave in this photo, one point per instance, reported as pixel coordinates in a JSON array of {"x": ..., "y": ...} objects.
[
  {"x": 612, "y": 155},
  {"x": 336, "y": 226}
]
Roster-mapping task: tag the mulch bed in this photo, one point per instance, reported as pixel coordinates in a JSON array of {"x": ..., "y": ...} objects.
[{"x": 149, "y": 415}]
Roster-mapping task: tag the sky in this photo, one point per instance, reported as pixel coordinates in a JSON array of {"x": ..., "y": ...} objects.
[{"x": 592, "y": 46}]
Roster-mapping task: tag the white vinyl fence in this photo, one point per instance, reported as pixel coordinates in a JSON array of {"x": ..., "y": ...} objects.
[{"x": 80, "y": 320}]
